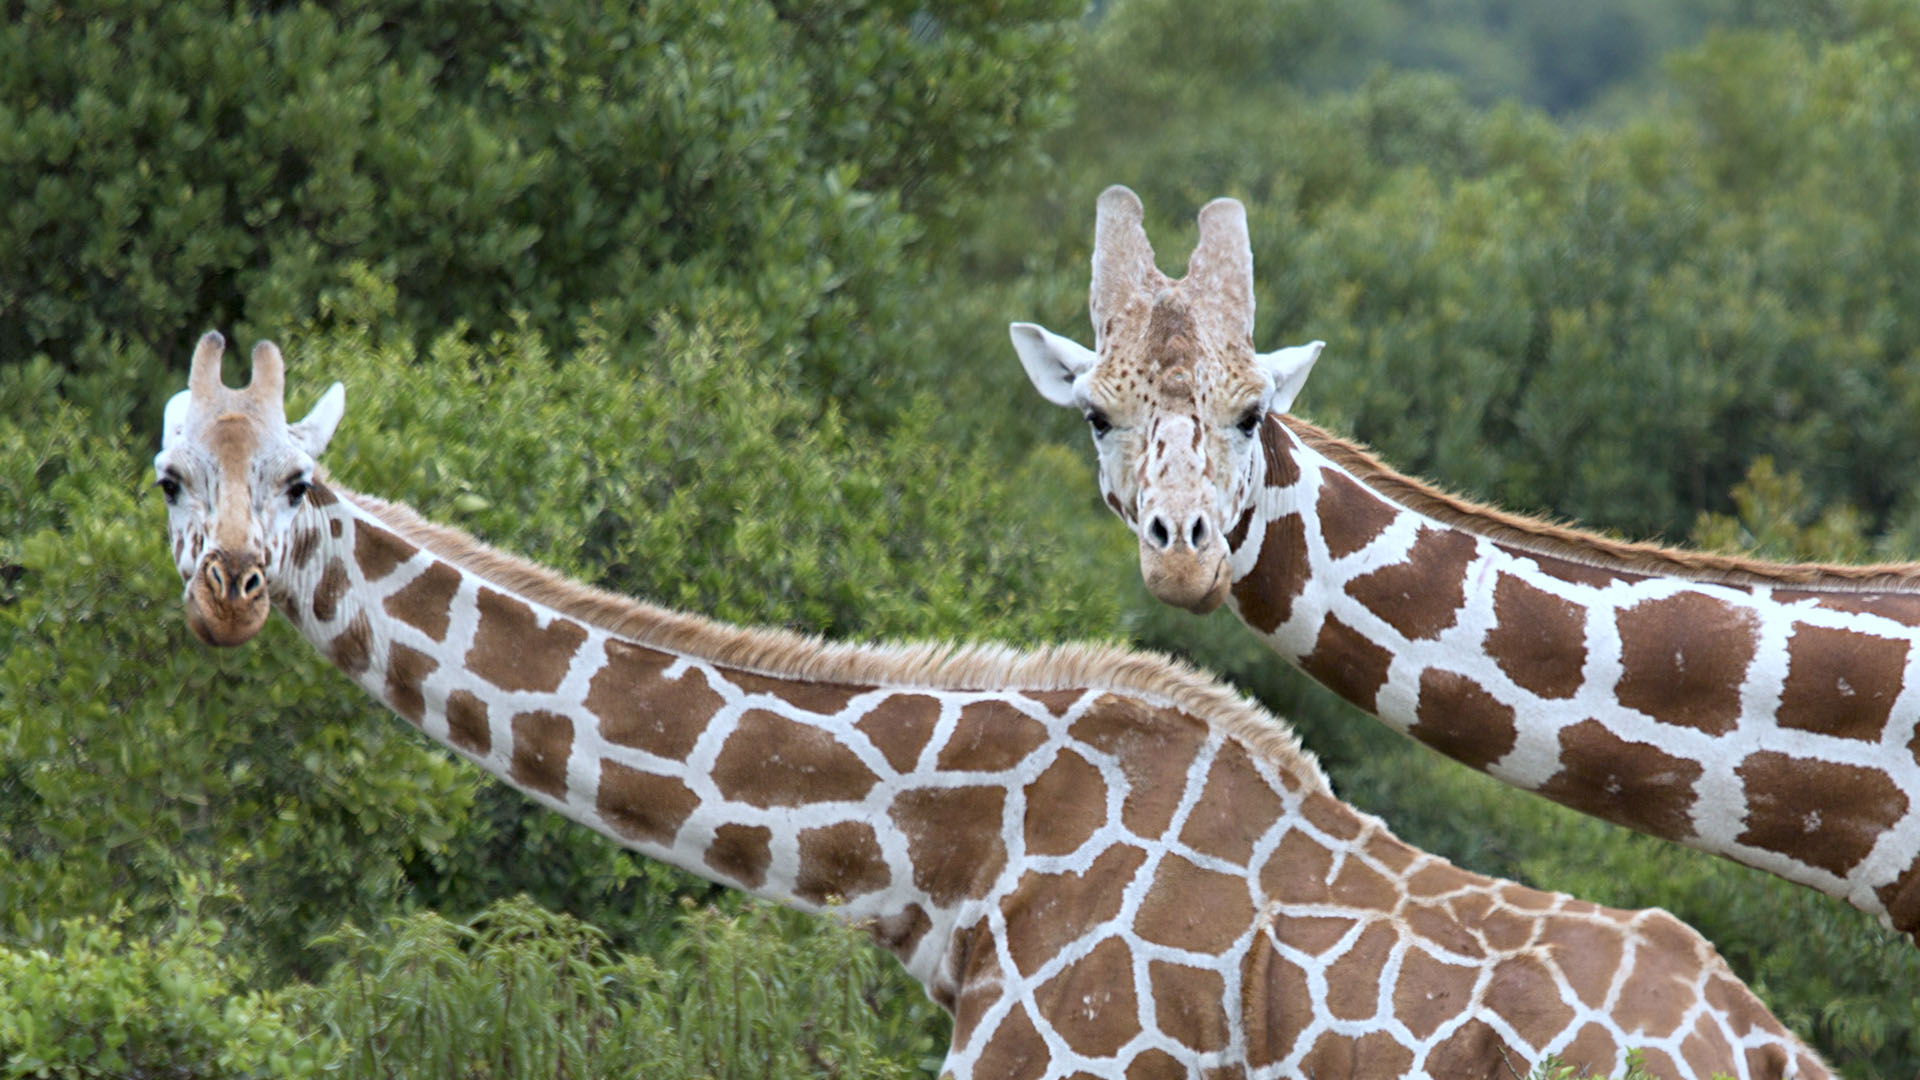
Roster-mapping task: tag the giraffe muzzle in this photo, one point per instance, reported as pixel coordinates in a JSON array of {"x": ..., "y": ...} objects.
[
  {"x": 227, "y": 599},
  {"x": 1194, "y": 579}
]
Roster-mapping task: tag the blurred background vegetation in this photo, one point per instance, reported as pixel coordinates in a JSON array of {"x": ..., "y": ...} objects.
[{"x": 706, "y": 301}]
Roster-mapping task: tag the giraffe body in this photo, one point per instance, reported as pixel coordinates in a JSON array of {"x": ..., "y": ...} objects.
[
  {"x": 1761, "y": 712},
  {"x": 1100, "y": 862}
]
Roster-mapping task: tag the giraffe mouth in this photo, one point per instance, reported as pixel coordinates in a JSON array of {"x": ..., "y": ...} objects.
[
  {"x": 227, "y": 600},
  {"x": 1195, "y": 580}
]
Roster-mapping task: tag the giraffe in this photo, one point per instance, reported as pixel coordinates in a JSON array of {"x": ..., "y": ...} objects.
[
  {"x": 1100, "y": 862},
  {"x": 1758, "y": 711}
]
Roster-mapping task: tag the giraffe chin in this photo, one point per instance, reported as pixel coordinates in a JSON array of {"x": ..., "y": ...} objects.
[
  {"x": 226, "y": 625},
  {"x": 1196, "y": 581}
]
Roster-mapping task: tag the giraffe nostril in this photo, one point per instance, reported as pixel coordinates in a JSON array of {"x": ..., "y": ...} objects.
[
  {"x": 251, "y": 585},
  {"x": 1157, "y": 532},
  {"x": 1197, "y": 535}
]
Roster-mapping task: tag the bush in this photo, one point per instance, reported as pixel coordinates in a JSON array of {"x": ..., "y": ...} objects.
[
  {"x": 519, "y": 991},
  {"x": 109, "y": 1003}
]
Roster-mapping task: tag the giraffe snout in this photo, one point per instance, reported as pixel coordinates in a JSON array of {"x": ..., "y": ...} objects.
[
  {"x": 227, "y": 599},
  {"x": 1183, "y": 560}
]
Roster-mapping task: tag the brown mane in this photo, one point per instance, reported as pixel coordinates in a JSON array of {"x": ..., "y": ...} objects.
[
  {"x": 936, "y": 665},
  {"x": 1540, "y": 537}
]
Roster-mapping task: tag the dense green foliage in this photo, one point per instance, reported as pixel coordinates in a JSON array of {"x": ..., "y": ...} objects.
[
  {"x": 705, "y": 301},
  {"x": 173, "y": 166}
]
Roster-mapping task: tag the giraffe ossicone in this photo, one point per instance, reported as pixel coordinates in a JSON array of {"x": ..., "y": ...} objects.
[
  {"x": 1099, "y": 861},
  {"x": 1762, "y": 712}
]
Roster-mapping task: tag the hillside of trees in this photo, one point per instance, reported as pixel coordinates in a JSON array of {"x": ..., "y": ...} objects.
[{"x": 706, "y": 302}]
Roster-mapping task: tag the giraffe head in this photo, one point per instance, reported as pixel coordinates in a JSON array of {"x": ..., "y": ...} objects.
[
  {"x": 1173, "y": 391},
  {"x": 233, "y": 471}
]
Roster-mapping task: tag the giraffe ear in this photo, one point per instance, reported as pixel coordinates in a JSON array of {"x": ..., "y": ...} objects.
[
  {"x": 174, "y": 423},
  {"x": 313, "y": 433},
  {"x": 1289, "y": 368},
  {"x": 1052, "y": 362}
]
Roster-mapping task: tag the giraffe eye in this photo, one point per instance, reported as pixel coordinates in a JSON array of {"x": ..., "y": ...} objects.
[
  {"x": 1249, "y": 421},
  {"x": 1099, "y": 422},
  {"x": 297, "y": 491},
  {"x": 169, "y": 489}
]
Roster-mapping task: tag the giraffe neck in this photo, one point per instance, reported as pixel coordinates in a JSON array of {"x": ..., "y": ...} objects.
[
  {"x": 872, "y": 782},
  {"x": 1765, "y": 714}
]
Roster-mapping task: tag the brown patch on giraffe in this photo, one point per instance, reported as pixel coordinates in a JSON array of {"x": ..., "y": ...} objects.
[
  {"x": 1351, "y": 516},
  {"x": 1522, "y": 992},
  {"x": 406, "y": 670},
  {"x": 320, "y": 496},
  {"x": 1091, "y": 1002},
  {"x": 1574, "y": 573},
  {"x": 1706, "y": 1050},
  {"x": 1265, "y": 595},
  {"x": 1429, "y": 992},
  {"x": 1438, "y": 879},
  {"x": 1237, "y": 535},
  {"x": 1505, "y": 930},
  {"x": 1296, "y": 872},
  {"x": 1588, "y": 954},
  {"x": 1190, "y": 908},
  {"x": 825, "y": 698},
  {"x": 1683, "y": 659},
  {"x": 1539, "y": 640},
  {"x": 426, "y": 602},
  {"x": 1311, "y": 934},
  {"x": 1113, "y": 503},
  {"x": 334, "y": 527},
  {"x": 378, "y": 551},
  {"x": 1526, "y": 899},
  {"x": 1034, "y": 910},
  {"x": 1353, "y": 978},
  {"x": 1344, "y": 661},
  {"x": 1772, "y": 1061},
  {"x": 1231, "y": 1071},
  {"x": 741, "y": 852},
  {"x": 642, "y": 805},
  {"x": 1457, "y": 717},
  {"x": 1276, "y": 1003},
  {"x": 1236, "y": 808},
  {"x": 1056, "y": 701},
  {"x": 351, "y": 650},
  {"x": 542, "y": 742},
  {"x": 1331, "y": 816},
  {"x": 299, "y": 552},
  {"x": 900, "y": 933},
  {"x": 1154, "y": 749},
  {"x": 467, "y": 726},
  {"x": 1156, "y": 1065},
  {"x": 1277, "y": 449},
  {"x": 1420, "y": 596},
  {"x": 990, "y": 736},
  {"x": 771, "y": 761},
  {"x": 900, "y": 727},
  {"x": 326, "y": 595},
  {"x": 1390, "y": 852},
  {"x": 1015, "y": 1051},
  {"x": 1820, "y": 813},
  {"x": 1186, "y": 1005},
  {"x": 1903, "y": 608},
  {"x": 1840, "y": 682},
  {"x": 638, "y": 708},
  {"x": 1901, "y": 898},
  {"x": 953, "y": 839},
  {"x": 1475, "y": 1052},
  {"x": 1659, "y": 986},
  {"x": 973, "y": 967},
  {"x": 1377, "y": 1053},
  {"x": 1441, "y": 928},
  {"x": 1065, "y": 805},
  {"x": 840, "y": 862},
  {"x": 1632, "y": 783},
  {"x": 513, "y": 652},
  {"x": 1593, "y": 1052},
  {"x": 1361, "y": 887}
]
